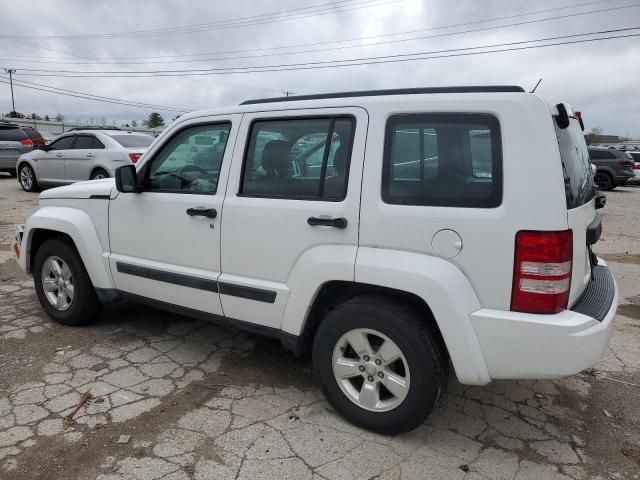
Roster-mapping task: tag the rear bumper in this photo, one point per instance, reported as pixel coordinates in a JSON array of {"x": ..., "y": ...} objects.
[{"x": 520, "y": 346}]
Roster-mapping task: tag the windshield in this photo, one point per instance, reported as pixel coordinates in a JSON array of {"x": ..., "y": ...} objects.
[
  {"x": 576, "y": 166},
  {"x": 133, "y": 141}
]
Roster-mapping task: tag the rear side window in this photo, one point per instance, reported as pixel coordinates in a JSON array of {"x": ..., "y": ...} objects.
[
  {"x": 576, "y": 165},
  {"x": 300, "y": 158},
  {"x": 133, "y": 141},
  {"x": 443, "y": 160},
  {"x": 12, "y": 134},
  {"x": 87, "y": 142},
  {"x": 32, "y": 134},
  {"x": 602, "y": 155}
]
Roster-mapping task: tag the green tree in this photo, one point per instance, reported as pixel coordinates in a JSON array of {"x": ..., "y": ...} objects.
[
  {"x": 155, "y": 120},
  {"x": 35, "y": 116},
  {"x": 592, "y": 136},
  {"x": 46, "y": 117},
  {"x": 134, "y": 123},
  {"x": 59, "y": 117}
]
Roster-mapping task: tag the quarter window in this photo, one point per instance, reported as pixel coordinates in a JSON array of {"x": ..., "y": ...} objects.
[
  {"x": 443, "y": 160},
  {"x": 304, "y": 158},
  {"x": 190, "y": 162}
]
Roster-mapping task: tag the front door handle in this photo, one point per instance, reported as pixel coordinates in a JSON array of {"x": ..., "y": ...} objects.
[
  {"x": 59, "y": 155},
  {"x": 202, "y": 212},
  {"x": 328, "y": 222}
]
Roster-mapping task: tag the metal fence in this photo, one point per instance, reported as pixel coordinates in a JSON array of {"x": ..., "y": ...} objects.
[{"x": 57, "y": 128}]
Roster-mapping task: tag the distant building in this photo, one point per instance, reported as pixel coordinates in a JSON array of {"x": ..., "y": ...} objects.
[{"x": 605, "y": 139}]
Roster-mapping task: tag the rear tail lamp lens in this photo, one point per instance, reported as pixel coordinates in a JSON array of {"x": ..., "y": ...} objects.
[
  {"x": 134, "y": 157},
  {"x": 27, "y": 142},
  {"x": 542, "y": 271}
]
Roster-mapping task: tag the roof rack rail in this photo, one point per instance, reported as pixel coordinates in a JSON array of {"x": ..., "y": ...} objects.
[
  {"x": 105, "y": 127},
  {"x": 395, "y": 91}
]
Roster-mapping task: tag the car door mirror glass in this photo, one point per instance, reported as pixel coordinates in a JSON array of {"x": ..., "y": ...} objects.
[
  {"x": 126, "y": 179},
  {"x": 45, "y": 148}
]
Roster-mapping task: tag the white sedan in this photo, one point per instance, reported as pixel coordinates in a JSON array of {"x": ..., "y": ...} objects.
[{"x": 80, "y": 155}]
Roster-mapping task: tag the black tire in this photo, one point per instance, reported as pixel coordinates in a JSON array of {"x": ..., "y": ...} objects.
[
  {"x": 85, "y": 306},
  {"x": 405, "y": 327},
  {"x": 99, "y": 172},
  {"x": 604, "y": 181},
  {"x": 13, "y": 173},
  {"x": 25, "y": 171}
]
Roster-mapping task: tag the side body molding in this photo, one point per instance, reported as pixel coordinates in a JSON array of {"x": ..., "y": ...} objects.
[
  {"x": 79, "y": 226},
  {"x": 444, "y": 288}
]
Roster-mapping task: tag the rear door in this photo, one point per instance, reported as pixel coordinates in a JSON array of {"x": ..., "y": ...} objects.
[
  {"x": 282, "y": 212},
  {"x": 51, "y": 162},
  {"x": 580, "y": 194},
  {"x": 79, "y": 161}
]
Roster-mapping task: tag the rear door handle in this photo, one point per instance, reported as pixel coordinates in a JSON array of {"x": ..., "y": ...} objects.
[
  {"x": 59, "y": 155},
  {"x": 91, "y": 154},
  {"x": 202, "y": 212},
  {"x": 328, "y": 222}
]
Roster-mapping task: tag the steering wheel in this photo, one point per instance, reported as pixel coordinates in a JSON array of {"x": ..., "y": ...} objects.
[{"x": 193, "y": 168}]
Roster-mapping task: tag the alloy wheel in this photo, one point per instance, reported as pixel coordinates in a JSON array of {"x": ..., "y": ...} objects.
[
  {"x": 26, "y": 177},
  {"x": 57, "y": 283},
  {"x": 371, "y": 370}
]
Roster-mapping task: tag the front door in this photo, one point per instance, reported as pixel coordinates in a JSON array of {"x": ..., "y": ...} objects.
[
  {"x": 165, "y": 241},
  {"x": 51, "y": 162},
  {"x": 291, "y": 203}
]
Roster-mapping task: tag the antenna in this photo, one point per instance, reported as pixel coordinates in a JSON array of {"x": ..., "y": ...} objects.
[{"x": 534, "y": 88}]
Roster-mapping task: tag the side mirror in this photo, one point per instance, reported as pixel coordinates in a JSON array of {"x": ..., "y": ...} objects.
[
  {"x": 127, "y": 179},
  {"x": 45, "y": 148},
  {"x": 601, "y": 200}
]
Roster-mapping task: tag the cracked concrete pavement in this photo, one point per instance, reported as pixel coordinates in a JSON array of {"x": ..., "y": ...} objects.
[{"x": 204, "y": 402}]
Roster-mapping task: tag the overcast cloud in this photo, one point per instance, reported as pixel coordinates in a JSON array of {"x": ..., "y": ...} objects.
[{"x": 601, "y": 79}]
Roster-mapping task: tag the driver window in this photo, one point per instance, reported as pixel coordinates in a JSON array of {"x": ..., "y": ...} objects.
[{"x": 190, "y": 162}]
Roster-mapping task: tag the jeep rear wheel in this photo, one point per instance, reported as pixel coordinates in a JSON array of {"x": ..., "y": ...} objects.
[
  {"x": 62, "y": 284},
  {"x": 378, "y": 364}
]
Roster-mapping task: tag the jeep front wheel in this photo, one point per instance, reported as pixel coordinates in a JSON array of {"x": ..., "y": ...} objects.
[
  {"x": 378, "y": 364},
  {"x": 62, "y": 284}
]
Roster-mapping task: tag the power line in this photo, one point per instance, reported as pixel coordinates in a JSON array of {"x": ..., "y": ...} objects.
[
  {"x": 528, "y": 22},
  {"x": 321, "y": 64},
  {"x": 89, "y": 96},
  {"x": 333, "y": 42},
  {"x": 322, "y": 9}
]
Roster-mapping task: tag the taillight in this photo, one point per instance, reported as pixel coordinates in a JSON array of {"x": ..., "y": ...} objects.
[
  {"x": 134, "y": 157},
  {"x": 626, "y": 163},
  {"x": 542, "y": 271},
  {"x": 637, "y": 165},
  {"x": 27, "y": 142}
]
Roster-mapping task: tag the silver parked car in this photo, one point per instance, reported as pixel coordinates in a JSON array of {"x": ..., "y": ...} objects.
[
  {"x": 87, "y": 154},
  {"x": 13, "y": 143}
]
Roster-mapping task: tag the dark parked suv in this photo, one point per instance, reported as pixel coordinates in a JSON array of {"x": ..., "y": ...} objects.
[
  {"x": 13, "y": 143},
  {"x": 35, "y": 136},
  {"x": 614, "y": 167}
]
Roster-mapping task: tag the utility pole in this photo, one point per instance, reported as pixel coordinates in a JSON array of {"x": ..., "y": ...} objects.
[{"x": 11, "y": 71}]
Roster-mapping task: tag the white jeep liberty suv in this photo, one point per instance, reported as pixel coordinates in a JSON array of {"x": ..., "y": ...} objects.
[{"x": 390, "y": 233}]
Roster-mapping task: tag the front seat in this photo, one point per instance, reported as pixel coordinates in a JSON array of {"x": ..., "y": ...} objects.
[{"x": 276, "y": 159}]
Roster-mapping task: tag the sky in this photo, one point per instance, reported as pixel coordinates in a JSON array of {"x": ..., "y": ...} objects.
[{"x": 126, "y": 37}]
